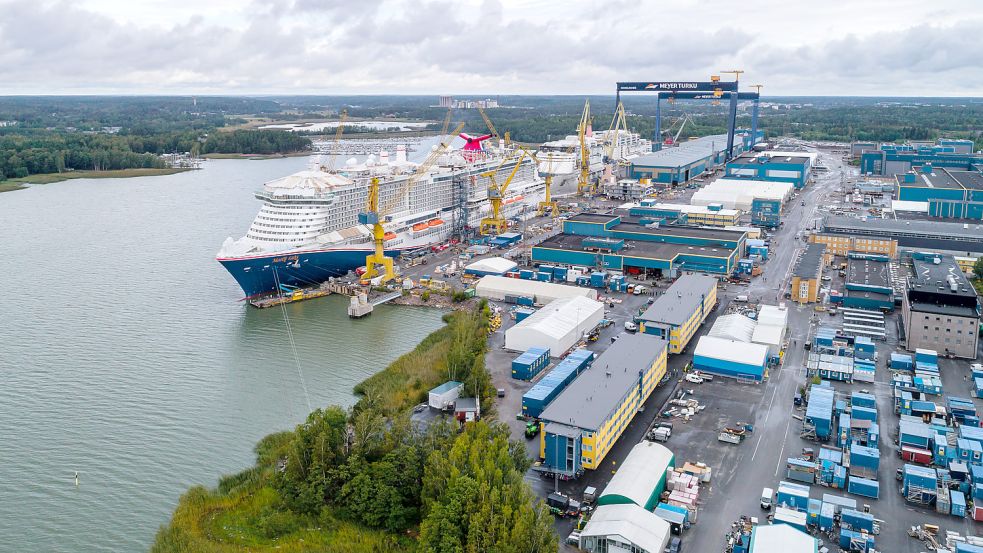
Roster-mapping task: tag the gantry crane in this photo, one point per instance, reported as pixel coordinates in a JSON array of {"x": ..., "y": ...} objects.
[
  {"x": 584, "y": 186},
  {"x": 548, "y": 202},
  {"x": 618, "y": 123},
  {"x": 337, "y": 140},
  {"x": 496, "y": 194},
  {"x": 374, "y": 215}
]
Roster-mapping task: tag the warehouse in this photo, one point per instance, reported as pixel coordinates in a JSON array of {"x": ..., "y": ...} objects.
[
  {"x": 509, "y": 289},
  {"x": 937, "y": 236},
  {"x": 678, "y": 313},
  {"x": 807, "y": 274},
  {"x": 641, "y": 478},
  {"x": 781, "y": 538},
  {"x": 627, "y": 528},
  {"x": 583, "y": 423},
  {"x": 940, "y": 309},
  {"x": 679, "y": 164},
  {"x": 682, "y": 214},
  {"x": 892, "y": 159},
  {"x": 725, "y": 357},
  {"x": 557, "y": 326},
  {"x": 769, "y": 329},
  {"x": 741, "y": 193},
  {"x": 733, "y": 326},
  {"x": 490, "y": 266},
  {"x": 946, "y": 193},
  {"x": 790, "y": 167},
  {"x": 868, "y": 282}
]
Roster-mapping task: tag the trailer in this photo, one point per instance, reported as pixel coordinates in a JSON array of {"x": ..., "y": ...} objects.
[{"x": 730, "y": 438}]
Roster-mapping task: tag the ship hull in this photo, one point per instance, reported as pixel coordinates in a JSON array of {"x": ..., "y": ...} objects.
[{"x": 262, "y": 275}]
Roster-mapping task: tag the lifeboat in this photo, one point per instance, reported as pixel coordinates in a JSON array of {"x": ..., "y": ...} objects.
[
  {"x": 514, "y": 199},
  {"x": 435, "y": 222},
  {"x": 390, "y": 236},
  {"x": 420, "y": 226}
]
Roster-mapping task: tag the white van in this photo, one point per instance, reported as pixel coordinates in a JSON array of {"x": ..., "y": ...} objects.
[
  {"x": 766, "y": 498},
  {"x": 630, "y": 326},
  {"x": 742, "y": 298}
]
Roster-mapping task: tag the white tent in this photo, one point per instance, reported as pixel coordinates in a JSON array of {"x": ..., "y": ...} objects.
[
  {"x": 626, "y": 524},
  {"x": 490, "y": 266},
  {"x": 781, "y": 538},
  {"x": 557, "y": 326},
  {"x": 641, "y": 476},
  {"x": 733, "y": 327},
  {"x": 740, "y": 193},
  {"x": 499, "y": 288}
]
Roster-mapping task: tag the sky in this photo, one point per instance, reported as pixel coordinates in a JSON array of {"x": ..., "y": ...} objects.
[{"x": 487, "y": 47}]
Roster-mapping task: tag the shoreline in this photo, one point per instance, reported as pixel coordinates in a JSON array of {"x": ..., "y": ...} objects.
[
  {"x": 217, "y": 155},
  {"x": 48, "y": 178}
]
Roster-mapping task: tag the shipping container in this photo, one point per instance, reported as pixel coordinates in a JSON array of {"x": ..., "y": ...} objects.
[
  {"x": 917, "y": 455},
  {"x": 864, "y": 486},
  {"x": 958, "y": 501},
  {"x": 555, "y": 381},
  {"x": 857, "y": 521},
  {"x": 530, "y": 363}
]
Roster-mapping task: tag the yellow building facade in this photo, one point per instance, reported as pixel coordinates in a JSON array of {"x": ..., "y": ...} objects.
[{"x": 837, "y": 244}]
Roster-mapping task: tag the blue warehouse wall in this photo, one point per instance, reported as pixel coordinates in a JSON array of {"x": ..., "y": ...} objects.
[
  {"x": 726, "y": 368},
  {"x": 557, "y": 451}
]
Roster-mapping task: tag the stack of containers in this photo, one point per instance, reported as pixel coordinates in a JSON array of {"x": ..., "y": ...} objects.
[
  {"x": 863, "y": 348},
  {"x": 857, "y": 521},
  {"x": 902, "y": 401},
  {"x": 926, "y": 378},
  {"x": 819, "y": 413},
  {"x": 963, "y": 410},
  {"x": 546, "y": 390},
  {"x": 530, "y": 363},
  {"x": 902, "y": 362},
  {"x": 827, "y": 515},
  {"x": 793, "y": 496},
  {"x": 864, "y": 461},
  {"x": 844, "y": 434},
  {"x": 919, "y": 484}
]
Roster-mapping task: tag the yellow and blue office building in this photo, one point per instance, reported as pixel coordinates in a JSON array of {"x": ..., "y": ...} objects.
[
  {"x": 581, "y": 426},
  {"x": 677, "y": 314}
]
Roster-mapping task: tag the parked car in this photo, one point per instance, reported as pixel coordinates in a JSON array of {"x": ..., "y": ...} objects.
[
  {"x": 766, "y": 498},
  {"x": 694, "y": 378}
]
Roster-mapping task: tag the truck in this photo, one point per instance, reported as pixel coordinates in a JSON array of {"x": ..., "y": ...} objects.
[
  {"x": 730, "y": 438},
  {"x": 561, "y": 505},
  {"x": 659, "y": 434}
]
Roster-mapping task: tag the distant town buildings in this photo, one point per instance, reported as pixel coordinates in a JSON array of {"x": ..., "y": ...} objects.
[
  {"x": 450, "y": 102},
  {"x": 7, "y": 123}
]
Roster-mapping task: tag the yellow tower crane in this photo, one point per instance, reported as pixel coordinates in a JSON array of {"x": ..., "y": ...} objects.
[
  {"x": 337, "y": 139},
  {"x": 619, "y": 123},
  {"x": 496, "y": 194},
  {"x": 492, "y": 129},
  {"x": 548, "y": 202},
  {"x": 374, "y": 215},
  {"x": 584, "y": 186}
]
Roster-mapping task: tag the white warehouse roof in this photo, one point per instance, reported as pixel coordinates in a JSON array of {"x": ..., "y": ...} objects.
[
  {"x": 739, "y": 193},
  {"x": 497, "y": 288},
  {"x": 558, "y": 326},
  {"x": 781, "y": 538},
  {"x": 639, "y": 475},
  {"x": 731, "y": 350},
  {"x": 773, "y": 315},
  {"x": 492, "y": 265},
  {"x": 633, "y": 524}
]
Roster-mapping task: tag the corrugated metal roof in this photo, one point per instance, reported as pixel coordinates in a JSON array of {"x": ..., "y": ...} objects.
[
  {"x": 560, "y": 317},
  {"x": 639, "y": 474},
  {"x": 685, "y": 153}
]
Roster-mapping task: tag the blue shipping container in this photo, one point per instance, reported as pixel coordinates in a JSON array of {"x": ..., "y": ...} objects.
[
  {"x": 864, "y": 486},
  {"x": 530, "y": 363}
]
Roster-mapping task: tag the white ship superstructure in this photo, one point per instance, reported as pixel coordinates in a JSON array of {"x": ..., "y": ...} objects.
[{"x": 308, "y": 221}]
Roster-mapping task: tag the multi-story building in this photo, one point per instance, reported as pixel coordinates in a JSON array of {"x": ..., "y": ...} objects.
[
  {"x": 683, "y": 214},
  {"x": 678, "y": 313},
  {"x": 893, "y": 159},
  {"x": 963, "y": 239},
  {"x": 943, "y": 193},
  {"x": 807, "y": 275},
  {"x": 842, "y": 245},
  {"x": 584, "y": 422},
  {"x": 792, "y": 167},
  {"x": 940, "y": 308}
]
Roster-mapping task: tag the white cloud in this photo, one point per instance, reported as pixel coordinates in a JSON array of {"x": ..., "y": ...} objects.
[{"x": 882, "y": 47}]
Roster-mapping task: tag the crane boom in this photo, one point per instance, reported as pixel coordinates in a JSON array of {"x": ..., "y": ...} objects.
[
  {"x": 548, "y": 203},
  {"x": 488, "y": 123},
  {"x": 618, "y": 123},
  {"x": 496, "y": 194},
  {"x": 337, "y": 138},
  {"x": 584, "y": 186}
]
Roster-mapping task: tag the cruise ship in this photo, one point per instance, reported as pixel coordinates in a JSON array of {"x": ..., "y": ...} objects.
[
  {"x": 562, "y": 157},
  {"x": 307, "y": 229}
]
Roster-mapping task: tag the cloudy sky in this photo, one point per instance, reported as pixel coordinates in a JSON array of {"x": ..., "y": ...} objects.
[{"x": 831, "y": 47}]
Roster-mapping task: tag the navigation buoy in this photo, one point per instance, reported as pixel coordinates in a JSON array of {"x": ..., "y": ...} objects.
[{"x": 76, "y": 479}]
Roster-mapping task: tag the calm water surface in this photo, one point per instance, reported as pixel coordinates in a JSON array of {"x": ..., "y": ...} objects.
[{"x": 126, "y": 355}]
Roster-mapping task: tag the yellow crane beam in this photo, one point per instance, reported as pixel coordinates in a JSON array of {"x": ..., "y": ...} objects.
[
  {"x": 375, "y": 214},
  {"x": 488, "y": 122},
  {"x": 548, "y": 203},
  {"x": 584, "y": 186},
  {"x": 497, "y": 223}
]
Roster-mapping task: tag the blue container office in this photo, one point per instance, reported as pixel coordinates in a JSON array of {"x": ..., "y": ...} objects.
[
  {"x": 530, "y": 363},
  {"x": 865, "y": 487},
  {"x": 819, "y": 412},
  {"x": 558, "y": 378}
]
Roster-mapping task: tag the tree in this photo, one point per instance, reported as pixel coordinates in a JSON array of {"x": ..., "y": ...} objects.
[
  {"x": 314, "y": 461},
  {"x": 978, "y": 268}
]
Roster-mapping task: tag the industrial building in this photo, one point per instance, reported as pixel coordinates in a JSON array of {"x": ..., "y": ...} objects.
[
  {"x": 733, "y": 358},
  {"x": 614, "y": 528},
  {"x": 807, "y": 275},
  {"x": 741, "y": 193},
  {"x": 893, "y": 159},
  {"x": 604, "y": 241},
  {"x": 872, "y": 236},
  {"x": 626, "y": 189},
  {"x": 558, "y": 325},
  {"x": 843, "y": 244},
  {"x": 641, "y": 478},
  {"x": 677, "y": 314},
  {"x": 781, "y": 538},
  {"x": 583, "y": 423},
  {"x": 943, "y": 193},
  {"x": 868, "y": 283},
  {"x": 769, "y": 329},
  {"x": 509, "y": 289},
  {"x": 940, "y": 308},
  {"x": 791, "y": 167},
  {"x": 649, "y": 211},
  {"x": 681, "y": 163}
]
